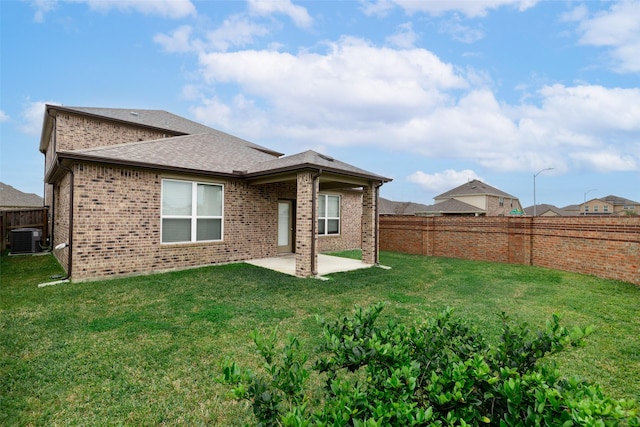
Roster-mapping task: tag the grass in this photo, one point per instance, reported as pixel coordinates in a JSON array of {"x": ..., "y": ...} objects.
[{"x": 147, "y": 350}]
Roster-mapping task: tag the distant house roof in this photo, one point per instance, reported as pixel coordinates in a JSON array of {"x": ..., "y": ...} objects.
[
  {"x": 618, "y": 201},
  {"x": 389, "y": 207},
  {"x": 11, "y": 198},
  {"x": 543, "y": 208},
  {"x": 474, "y": 187},
  {"x": 451, "y": 207}
]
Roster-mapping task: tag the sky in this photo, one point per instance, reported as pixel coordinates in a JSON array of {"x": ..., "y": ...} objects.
[{"x": 518, "y": 94}]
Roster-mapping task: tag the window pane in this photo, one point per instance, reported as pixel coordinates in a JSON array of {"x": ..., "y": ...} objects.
[
  {"x": 209, "y": 200},
  {"x": 321, "y": 206},
  {"x": 176, "y": 198},
  {"x": 334, "y": 206},
  {"x": 209, "y": 229},
  {"x": 321, "y": 226},
  {"x": 176, "y": 230},
  {"x": 334, "y": 226}
]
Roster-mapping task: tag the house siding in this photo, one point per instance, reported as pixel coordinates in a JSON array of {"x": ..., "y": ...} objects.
[
  {"x": 75, "y": 132},
  {"x": 117, "y": 217},
  {"x": 117, "y": 223},
  {"x": 350, "y": 225}
]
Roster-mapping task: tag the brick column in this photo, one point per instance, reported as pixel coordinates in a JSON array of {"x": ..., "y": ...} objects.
[
  {"x": 305, "y": 217},
  {"x": 369, "y": 223}
]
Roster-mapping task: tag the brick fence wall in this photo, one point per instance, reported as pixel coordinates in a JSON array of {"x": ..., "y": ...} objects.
[{"x": 606, "y": 247}]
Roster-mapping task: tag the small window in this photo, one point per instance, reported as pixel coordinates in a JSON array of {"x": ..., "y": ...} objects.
[
  {"x": 501, "y": 201},
  {"x": 586, "y": 208},
  {"x": 596, "y": 208},
  {"x": 191, "y": 212},
  {"x": 328, "y": 214},
  {"x": 605, "y": 208}
]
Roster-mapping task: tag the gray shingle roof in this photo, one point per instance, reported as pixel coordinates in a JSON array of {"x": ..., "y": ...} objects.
[
  {"x": 618, "y": 201},
  {"x": 155, "y": 118},
  {"x": 209, "y": 152},
  {"x": 451, "y": 206},
  {"x": 313, "y": 159},
  {"x": 474, "y": 187},
  {"x": 13, "y": 198},
  {"x": 389, "y": 207}
]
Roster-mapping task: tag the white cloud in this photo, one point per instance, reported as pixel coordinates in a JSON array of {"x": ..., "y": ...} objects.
[
  {"x": 442, "y": 181},
  {"x": 404, "y": 38},
  {"x": 609, "y": 160},
  {"x": 460, "y": 32},
  {"x": 298, "y": 14},
  {"x": 235, "y": 31},
  {"x": 179, "y": 40},
  {"x": 358, "y": 94},
  {"x": 4, "y": 117},
  {"x": 471, "y": 9},
  {"x": 618, "y": 29},
  {"x": 32, "y": 116},
  {"x": 352, "y": 82},
  {"x": 173, "y": 9}
]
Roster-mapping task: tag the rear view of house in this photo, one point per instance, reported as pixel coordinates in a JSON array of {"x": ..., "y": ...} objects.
[{"x": 139, "y": 191}]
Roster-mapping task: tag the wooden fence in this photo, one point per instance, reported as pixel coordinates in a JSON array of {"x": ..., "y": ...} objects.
[{"x": 22, "y": 218}]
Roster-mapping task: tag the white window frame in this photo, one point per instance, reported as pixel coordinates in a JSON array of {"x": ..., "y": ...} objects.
[
  {"x": 323, "y": 216},
  {"x": 194, "y": 212}
]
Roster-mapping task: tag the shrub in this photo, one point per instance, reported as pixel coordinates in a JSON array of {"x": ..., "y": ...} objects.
[{"x": 438, "y": 373}]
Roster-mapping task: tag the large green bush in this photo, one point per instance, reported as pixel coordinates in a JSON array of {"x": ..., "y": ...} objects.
[{"x": 439, "y": 373}]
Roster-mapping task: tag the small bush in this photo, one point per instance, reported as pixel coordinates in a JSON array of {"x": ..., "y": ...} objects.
[{"x": 439, "y": 373}]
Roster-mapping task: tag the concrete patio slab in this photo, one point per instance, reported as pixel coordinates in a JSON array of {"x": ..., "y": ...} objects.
[{"x": 327, "y": 264}]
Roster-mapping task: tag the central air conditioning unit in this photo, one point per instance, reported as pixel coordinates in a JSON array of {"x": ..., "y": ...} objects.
[{"x": 26, "y": 240}]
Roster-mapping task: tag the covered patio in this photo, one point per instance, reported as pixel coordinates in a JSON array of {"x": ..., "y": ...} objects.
[{"x": 327, "y": 264}]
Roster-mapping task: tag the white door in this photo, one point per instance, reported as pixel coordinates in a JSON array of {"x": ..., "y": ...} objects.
[{"x": 285, "y": 226}]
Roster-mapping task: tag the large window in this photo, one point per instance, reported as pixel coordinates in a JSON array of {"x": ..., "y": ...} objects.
[
  {"x": 191, "y": 211},
  {"x": 328, "y": 214}
]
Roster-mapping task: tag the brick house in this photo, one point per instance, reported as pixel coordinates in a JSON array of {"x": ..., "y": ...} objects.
[
  {"x": 139, "y": 191},
  {"x": 475, "y": 198}
]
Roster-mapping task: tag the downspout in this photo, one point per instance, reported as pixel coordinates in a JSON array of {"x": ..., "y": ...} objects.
[
  {"x": 314, "y": 222},
  {"x": 376, "y": 237},
  {"x": 70, "y": 241},
  {"x": 52, "y": 205}
]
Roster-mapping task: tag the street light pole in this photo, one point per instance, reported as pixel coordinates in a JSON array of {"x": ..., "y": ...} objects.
[{"x": 534, "y": 188}]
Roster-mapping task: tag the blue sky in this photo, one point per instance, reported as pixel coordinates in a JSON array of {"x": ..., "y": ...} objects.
[{"x": 429, "y": 93}]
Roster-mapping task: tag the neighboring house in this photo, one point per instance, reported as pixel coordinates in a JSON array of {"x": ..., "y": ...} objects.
[
  {"x": 13, "y": 199},
  {"x": 389, "y": 207},
  {"x": 140, "y": 191},
  {"x": 547, "y": 210},
  {"x": 571, "y": 210},
  {"x": 474, "y": 198},
  {"x": 610, "y": 205}
]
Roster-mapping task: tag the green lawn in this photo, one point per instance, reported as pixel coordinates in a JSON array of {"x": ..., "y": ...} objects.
[{"x": 146, "y": 350}]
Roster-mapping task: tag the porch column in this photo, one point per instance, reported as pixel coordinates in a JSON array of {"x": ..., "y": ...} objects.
[
  {"x": 369, "y": 224},
  {"x": 306, "y": 247}
]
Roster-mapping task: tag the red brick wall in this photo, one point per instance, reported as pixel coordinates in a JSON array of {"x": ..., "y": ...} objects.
[{"x": 606, "y": 247}]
